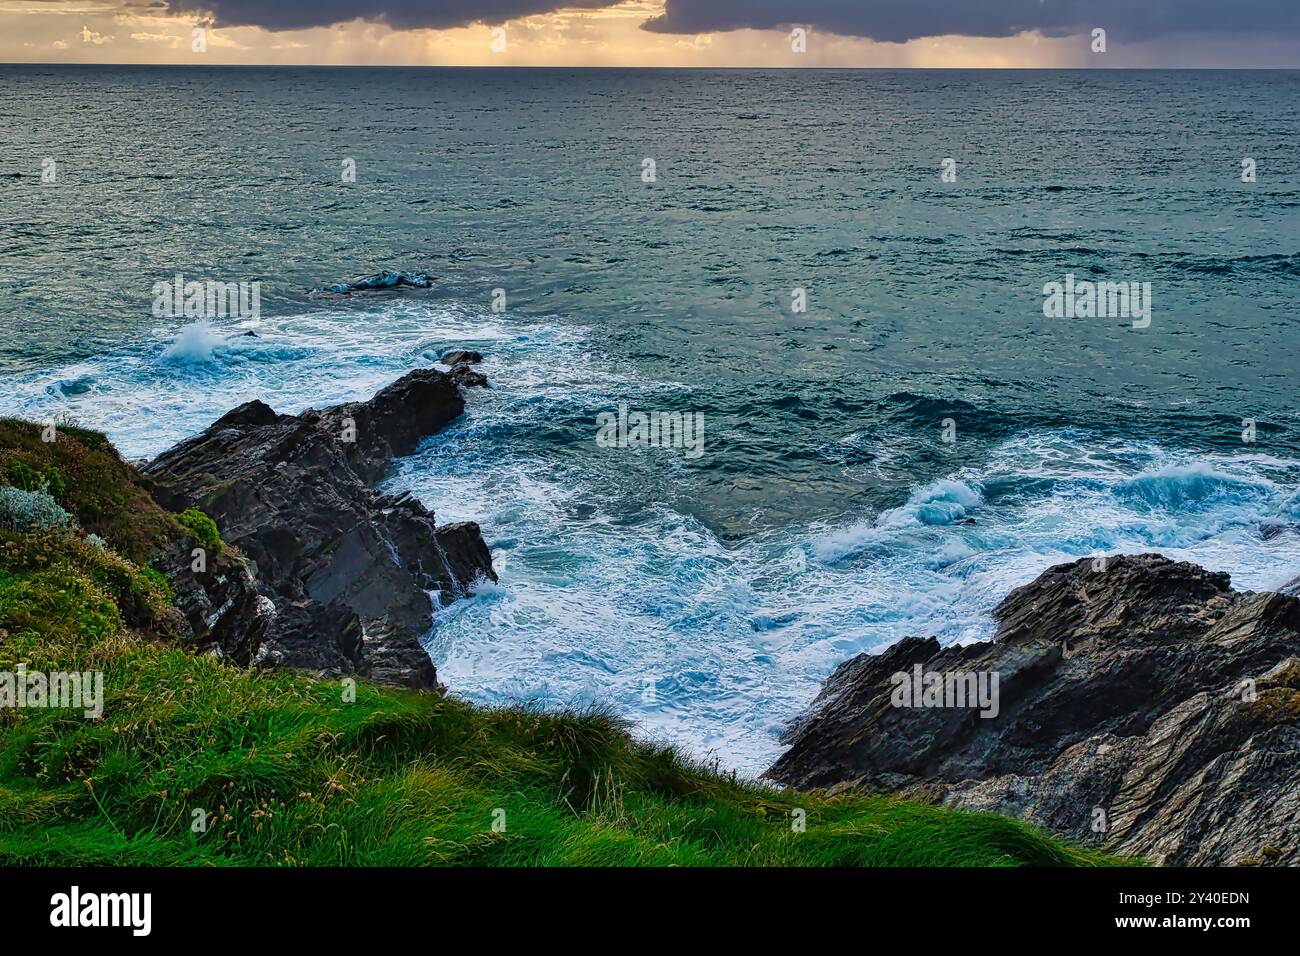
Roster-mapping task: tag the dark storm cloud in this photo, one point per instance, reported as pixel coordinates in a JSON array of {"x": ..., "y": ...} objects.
[
  {"x": 897, "y": 21},
  {"x": 885, "y": 20},
  {"x": 399, "y": 14}
]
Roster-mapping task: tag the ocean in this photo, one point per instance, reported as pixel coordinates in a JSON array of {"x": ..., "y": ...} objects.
[{"x": 894, "y": 433}]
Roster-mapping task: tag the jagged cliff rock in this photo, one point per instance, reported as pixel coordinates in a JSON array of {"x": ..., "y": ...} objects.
[
  {"x": 350, "y": 573},
  {"x": 1142, "y": 705},
  {"x": 223, "y": 612}
]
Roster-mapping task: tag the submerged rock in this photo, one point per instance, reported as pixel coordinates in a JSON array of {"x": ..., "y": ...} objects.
[
  {"x": 455, "y": 357},
  {"x": 382, "y": 280},
  {"x": 1140, "y": 704},
  {"x": 350, "y": 575},
  {"x": 460, "y": 361}
]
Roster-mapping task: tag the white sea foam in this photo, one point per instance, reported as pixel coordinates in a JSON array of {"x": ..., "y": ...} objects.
[
  {"x": 152, "y": 393},
  {"x": 735, "y": 639}
]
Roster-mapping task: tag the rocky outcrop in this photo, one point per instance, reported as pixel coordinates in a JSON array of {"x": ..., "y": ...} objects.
[
  {"x": 1140, "y": 704},
  {"x": 224, "y": 614},
  {"x": 352, "y": 575}
]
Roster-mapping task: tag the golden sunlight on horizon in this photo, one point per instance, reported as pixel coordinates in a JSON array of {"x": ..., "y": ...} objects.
[
  {"x": 103, "y": 31},
  {"x": 144, "y": 32}
]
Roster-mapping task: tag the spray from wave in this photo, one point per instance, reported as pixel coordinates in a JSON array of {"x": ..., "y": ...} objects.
[{"x": 193, "y": 343}]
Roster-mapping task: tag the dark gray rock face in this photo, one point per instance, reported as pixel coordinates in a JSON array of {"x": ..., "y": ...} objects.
[
  {"x": 223, "y": 612},
  {"x": 1142, "y": 706},
  {"x": 352, "y": 574},
  {"x": 460, "y": 361}
]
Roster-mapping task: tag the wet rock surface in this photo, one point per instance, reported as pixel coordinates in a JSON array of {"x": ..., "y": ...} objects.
[
  {"x": 352, "y": 575},
  {"x": 1142, "y": 705}
]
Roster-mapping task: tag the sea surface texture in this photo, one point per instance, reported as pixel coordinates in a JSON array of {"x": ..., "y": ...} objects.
[{"x": 705, "y": 597}]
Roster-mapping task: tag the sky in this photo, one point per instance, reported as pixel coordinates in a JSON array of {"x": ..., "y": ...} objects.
[{"x": 705, "y": 33}]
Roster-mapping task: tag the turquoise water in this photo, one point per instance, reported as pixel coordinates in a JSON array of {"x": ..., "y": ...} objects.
[{"x": 705, "y": 598}]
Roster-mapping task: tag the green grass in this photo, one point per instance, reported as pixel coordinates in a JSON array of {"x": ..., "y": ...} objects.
[
  {"x": 286, "y": 770},
  {"x": 202, "y": 528}
]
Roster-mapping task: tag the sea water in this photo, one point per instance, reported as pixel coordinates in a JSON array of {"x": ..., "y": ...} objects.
[{"x": 890, "y": 459}]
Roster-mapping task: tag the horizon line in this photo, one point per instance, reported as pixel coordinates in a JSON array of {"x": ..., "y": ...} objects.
[{"x": 701, "y": 69}]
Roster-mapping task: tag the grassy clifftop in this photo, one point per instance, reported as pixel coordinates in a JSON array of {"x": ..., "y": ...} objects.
[{"x": 198, "y": 762}]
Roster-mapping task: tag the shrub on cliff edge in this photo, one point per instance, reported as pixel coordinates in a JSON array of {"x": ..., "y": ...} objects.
[
  {"x": 202, "y": 528},
  {"x": 21, "y": 509}
]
